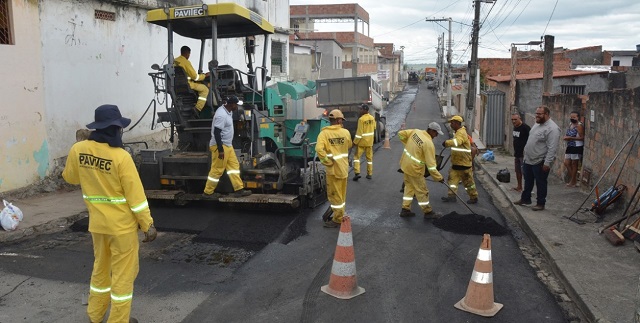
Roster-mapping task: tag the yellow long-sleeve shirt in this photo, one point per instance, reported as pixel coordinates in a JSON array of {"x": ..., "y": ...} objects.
[
  {"x": 364, "y": 132},
  {"x": 111, "y": 187},
  {"x": 419, "y": 153},
  {"x": 192, "y": 75},
  {"x": 460, "y": 148},
  {"x": 332, "y": 148}
]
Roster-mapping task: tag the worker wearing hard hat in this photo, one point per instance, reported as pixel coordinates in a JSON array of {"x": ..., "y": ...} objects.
[
  {"x": 419, "y": 153},
  {"x": 118, "y": 207},
  {"x": 332, "y": 148},
  {"x": 364, "y": 142},
  {"x": 195, "y": 79},
  {"x": 461, "y": 162}
]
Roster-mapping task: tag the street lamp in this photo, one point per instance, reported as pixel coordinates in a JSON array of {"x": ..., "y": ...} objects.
[{"x": 514, "y": 58}]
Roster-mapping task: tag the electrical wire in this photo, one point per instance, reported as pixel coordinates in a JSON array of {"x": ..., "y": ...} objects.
[{"x": 551, "y": 16}]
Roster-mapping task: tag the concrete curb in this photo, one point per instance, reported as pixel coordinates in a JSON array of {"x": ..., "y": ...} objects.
[
  {"x": 52, "y": 226},
  {"x": 568, "y": 281}
]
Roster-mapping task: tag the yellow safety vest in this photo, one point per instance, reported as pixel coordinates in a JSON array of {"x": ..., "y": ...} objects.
[
  {"x": 192, "y": 75},
  {"x": 460, "y": 148},
  {"x": 418, "y": 153},
  {"x": 332, "y": 148},
  {"x": 365, "y": 131}
]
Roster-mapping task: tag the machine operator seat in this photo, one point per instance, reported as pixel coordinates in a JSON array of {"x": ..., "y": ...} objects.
[{"x": 185, "y": 96}]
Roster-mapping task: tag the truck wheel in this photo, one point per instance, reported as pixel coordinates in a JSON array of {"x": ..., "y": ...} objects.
[{"x": 376, "y": 136}]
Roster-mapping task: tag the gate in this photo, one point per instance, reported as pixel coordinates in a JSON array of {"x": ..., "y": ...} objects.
[{"x": 493, "y": 124}]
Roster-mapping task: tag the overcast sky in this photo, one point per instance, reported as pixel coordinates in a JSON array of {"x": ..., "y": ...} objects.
[{"x": 614, "y": 24}]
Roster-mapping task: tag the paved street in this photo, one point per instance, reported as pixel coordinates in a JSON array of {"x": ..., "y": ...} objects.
[{"x": 411, "y": 270}]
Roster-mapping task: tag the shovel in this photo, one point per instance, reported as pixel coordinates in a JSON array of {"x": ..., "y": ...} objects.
[{"x": 461, "y": 200}]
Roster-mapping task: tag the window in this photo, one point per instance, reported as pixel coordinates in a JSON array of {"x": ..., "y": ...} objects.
[
  {"x": 6, "y": 30},
  {"x": 573, "y": 89},
  {"x": 616, "y": 63},
  {"x": 276, "y": 57}
]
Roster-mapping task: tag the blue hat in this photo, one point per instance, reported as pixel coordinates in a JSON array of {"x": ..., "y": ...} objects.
[{"x": 108, "y": 115}]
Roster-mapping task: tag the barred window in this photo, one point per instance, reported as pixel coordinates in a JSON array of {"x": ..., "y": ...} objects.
[
  {"x": 573, "y": 89},
  {"x": 105, "y": 15},
  {"x": 6, "y": 30},
  {"x": 277, "y": 57}
]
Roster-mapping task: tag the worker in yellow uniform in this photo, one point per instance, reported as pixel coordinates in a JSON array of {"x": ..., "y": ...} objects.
[
  {"x": 117, "y": 206},
  {"x": 223, "y": 156},
  {"x": 419, "y": 153},
  {"x": 364, "y": 142},
  {"x": 193, "y": 77},
  {"x": 461, "y": 162},
  {"x": 332, "y": 148}
]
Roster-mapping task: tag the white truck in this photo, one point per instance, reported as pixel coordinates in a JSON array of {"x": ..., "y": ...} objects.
[{"x": 348, "y": 94}]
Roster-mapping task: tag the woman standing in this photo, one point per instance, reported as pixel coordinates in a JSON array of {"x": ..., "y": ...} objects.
[{"x": 575, "y": 145}]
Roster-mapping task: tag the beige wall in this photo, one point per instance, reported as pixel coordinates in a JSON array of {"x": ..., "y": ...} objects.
[{"x": 25, "y": 149}]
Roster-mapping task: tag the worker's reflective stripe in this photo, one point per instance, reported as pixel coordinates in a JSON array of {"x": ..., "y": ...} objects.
[
  {"x": 367, "y": 134},
  {"x": 197, "y": 77},
  {"x": 213, "y": 179},
  {"x": 188, "y": 78},
  {"x": 453, "y": 186},
  {"x": 413, "y": 158},
  {"x": 461, "y": 149},
  {"x": 432, "y": 168},
  {"x": 121, "y": 298},
  {"x": 142, "y": 206},
  {"x": 423, "y": 203},
  {"x": 233, "y": 171},
  {"x": 484, "y": 255},
  {"x": 338, "y": 206},
  {"x": 99, "y": 290},
  {"x": 407, "y": 198},
  {"x": 455, "y": 142},
  {"x": 340, "y": 156},
  {"x": 370, "y": 163},
  {"x": 343, "y": 269},
  {"x": 358, "y": 137},
  {"x": 482, "y": 278},
  {"x": 105, "y": 199},
  {"x": 329, "y": 155},
  {"x": 202, "y": 98},
  {"x": 322, "y": 160},
  {"x": 471, "y": 186},
  {"x": 356, "y": 161}
]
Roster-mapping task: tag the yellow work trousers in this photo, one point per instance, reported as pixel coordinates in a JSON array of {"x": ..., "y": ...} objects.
[
  {"x": 218, "y": 166},
  {"x": 466, "y": 176},
  {"x": 203, "y": 91},
  {"x": 416, "y": 186},
  {"x": 114, "y": 270},
  {"x": 337, "y": 195},
  {"x": 368, "y": 153}
]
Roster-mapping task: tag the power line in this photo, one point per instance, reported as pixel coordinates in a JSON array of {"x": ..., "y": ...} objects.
[{"x": 554, "y": 10}]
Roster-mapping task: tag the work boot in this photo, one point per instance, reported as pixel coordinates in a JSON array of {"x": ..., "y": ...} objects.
[
  {"x": 472, "y": 201},
  {"x": 406, "y": 213},
  {"x": 432, "y": 215},
  {"x": 213, "y": 196},
  {"x": 356, "y": 177},
  {"x": 538, "y": 207},
  {"x": 327, "y": 215},
  {"x": 132, "y": 320},
  {"x": 521, "y": 202},
  {"x": 331, "y": 224},
  {"x": 448, "y": 199},
  {"x": 240, "y": 193},
  {"x": 368, "y": 176}
]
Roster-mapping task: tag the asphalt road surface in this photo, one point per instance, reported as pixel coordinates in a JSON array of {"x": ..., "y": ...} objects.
[{"x": 269, "y": 267}]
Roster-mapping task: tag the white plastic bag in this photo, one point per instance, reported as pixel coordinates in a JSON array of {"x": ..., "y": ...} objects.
[{"x": 10, "y": 216}]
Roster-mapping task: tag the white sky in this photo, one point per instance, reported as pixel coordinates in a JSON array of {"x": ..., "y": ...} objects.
[{"x": 614, "y": 24}]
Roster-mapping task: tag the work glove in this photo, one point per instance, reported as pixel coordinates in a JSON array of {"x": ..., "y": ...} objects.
[{"x": 151, "y": 234}]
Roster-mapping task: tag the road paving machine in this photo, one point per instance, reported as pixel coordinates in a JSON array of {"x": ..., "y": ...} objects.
[{"x": 276, "y": 154}]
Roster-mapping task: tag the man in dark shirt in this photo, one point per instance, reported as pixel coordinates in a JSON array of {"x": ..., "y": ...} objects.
[{"x": 520, "y": 136}]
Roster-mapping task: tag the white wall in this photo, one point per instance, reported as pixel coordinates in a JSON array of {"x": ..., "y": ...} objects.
[
  {"x": 76, "y": 63},
  {"x": 24, "y": 148},
  {"x": 624, "y": 60}
]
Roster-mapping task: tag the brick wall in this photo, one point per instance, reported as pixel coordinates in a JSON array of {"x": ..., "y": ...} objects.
[
  {"x": 617, "y": 118},
  {"x": 502, "y": 66}
]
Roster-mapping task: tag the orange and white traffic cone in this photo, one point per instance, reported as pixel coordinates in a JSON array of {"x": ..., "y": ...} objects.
[
  {"x": 343, "y": 283},
  {"x": 479, "y": 297},
  {"x": 386, "y": 144}
]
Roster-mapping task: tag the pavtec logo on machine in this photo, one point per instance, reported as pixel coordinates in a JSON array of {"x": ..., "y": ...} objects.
[{"x": 188, "y": 12}]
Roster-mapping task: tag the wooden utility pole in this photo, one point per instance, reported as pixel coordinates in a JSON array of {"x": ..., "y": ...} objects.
[
  {"x": 512, "y": 83},
  {"x": 547, "y": 77}
]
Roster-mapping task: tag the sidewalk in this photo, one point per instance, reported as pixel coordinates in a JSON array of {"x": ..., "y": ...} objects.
[{"x": 600, "y": 278}]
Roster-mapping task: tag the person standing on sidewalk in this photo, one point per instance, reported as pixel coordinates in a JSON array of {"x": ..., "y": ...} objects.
[
  {"x": 364, "y": 142},
  {"x": 117, "y": 207},
  {"x": 223, "y": 156},
  {"x": 539, "y": 154},
  {"x": 332, "y": 148},
  {"x": 419, "y": 153},
  {"x": 520, "y": 136},
  {"x": 575, "y": 145},
  {"x": 461, "y": 162}
]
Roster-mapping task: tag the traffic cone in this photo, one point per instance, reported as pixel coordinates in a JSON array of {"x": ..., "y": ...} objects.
[
  {"x": 386, "y": 144},
  {"x": 343, "y": 283},
  {"x": 479, "y": 297}
]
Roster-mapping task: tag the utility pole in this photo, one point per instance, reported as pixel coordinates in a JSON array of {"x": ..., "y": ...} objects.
[
  {"x": 354, "y": 50},
  {"x": 448, "y": 78},
  {"x": 547, "y": 76},
  {"x": 440, "y": 65},
  {"x": 473, "y": 68}
]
